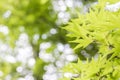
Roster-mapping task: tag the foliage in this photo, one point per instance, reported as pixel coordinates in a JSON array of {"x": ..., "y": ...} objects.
[
  {"x": 102, "y": 27},
  {"x": 29, "y": 17}
]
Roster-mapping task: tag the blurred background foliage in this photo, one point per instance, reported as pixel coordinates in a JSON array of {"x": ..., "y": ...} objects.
[{"x": 32, "y": 44}]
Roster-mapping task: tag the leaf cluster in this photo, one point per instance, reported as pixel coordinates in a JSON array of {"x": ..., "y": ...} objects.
[{"x": 102, "y": 27}]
